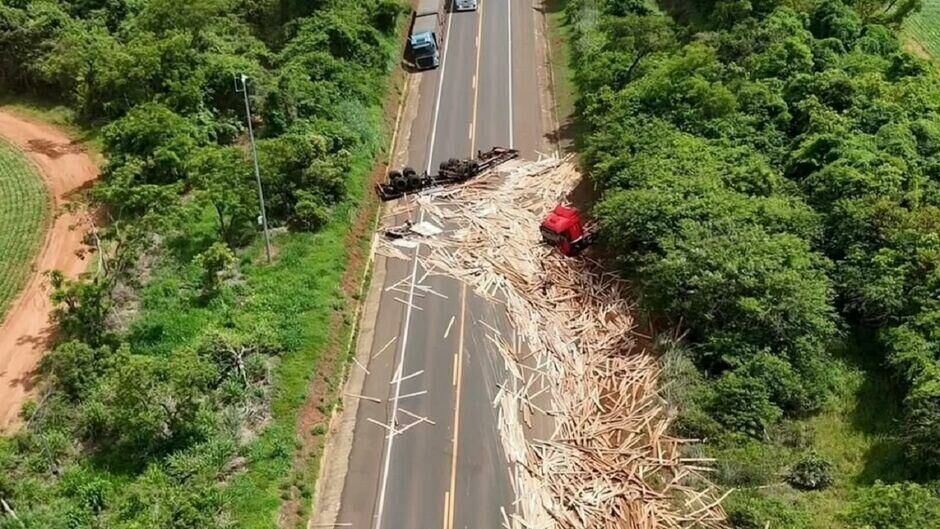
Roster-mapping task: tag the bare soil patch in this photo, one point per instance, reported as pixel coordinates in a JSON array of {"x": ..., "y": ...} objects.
[{"x": 26, "y": 333}]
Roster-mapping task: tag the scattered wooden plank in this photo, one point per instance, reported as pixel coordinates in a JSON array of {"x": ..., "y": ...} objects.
[
  {"x": 382, "y": 424},
  {"x": 364, "y": 397},
  {"x": 412, "y": 305},
  {"x": 358, "y": 363},
  {"x": 415, "y": 416},
  {"x": 384, "y": 347},
  {"x": 415, "y": 394},
  {"x": 610, "y": 462},
  {"x": 449, "y": 325},
  {"x": 407, "y": 377}
]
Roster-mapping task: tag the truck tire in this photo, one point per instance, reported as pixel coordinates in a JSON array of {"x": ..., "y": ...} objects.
[
  {"x": 469, "y": 169},
  {"x": 397, "y": 181},
  {"x": 414, "y": 181},
  {"x": 450, "y": 164}
]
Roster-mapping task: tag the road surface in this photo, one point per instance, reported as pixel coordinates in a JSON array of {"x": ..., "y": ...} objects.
[{"x": 429, "y": 348}]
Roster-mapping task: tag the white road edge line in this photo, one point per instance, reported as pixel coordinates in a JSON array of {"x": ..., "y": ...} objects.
[
  {"x": 440, "y": 90},
  {"x": 414, "y": 272},
  {"x": 401, "y": 365},
  {"x": 512, "y": 141},
  {"x": 476, "y": 84}
]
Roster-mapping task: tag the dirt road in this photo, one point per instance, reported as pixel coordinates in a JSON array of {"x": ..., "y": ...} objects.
[{"x": 26, "y": 333}]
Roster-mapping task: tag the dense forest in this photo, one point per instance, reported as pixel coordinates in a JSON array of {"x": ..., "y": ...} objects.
[
  {"x": 172, "y": 398},
  {"x": 770, "y": 177}
]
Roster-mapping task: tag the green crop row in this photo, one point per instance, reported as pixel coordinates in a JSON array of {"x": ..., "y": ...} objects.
[
  {"x": 924, "y": 27},
  {"x": 24, "y": 209}
]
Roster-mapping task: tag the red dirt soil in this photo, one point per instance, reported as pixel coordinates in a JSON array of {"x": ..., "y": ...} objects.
[{"x": 26, "y": 333}]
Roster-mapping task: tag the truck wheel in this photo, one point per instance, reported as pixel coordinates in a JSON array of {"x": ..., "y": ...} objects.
[
  {"x": 450, "y": 164},
  {"x": 474, "y": 167},
  {"x": 414, "y": 181},
  {"x": 397, "y": 180}
]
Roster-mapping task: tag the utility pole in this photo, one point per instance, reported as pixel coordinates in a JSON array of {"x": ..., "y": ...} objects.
[{"x": 241, "y": 86}]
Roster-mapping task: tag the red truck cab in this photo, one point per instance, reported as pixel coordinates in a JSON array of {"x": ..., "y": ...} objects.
[{"x": 564, "y": 229}]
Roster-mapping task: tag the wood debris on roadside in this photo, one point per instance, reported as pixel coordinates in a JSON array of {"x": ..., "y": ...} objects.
[{"x": 609, "y": 462}]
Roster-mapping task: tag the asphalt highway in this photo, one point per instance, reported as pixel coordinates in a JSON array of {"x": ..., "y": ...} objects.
[{"x": 431, "y": 363}]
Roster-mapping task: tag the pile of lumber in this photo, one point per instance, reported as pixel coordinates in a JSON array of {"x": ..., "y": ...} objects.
[{"x": 578, "y": 365}]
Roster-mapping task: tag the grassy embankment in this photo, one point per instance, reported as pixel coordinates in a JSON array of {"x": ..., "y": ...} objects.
[
  {"x": 563, "y": 89},
  {"x": 856, "y": 431},
  {"x": 303, "y": 298},
  {"x": 309, "y": 295},
  {"x": 24, "y": 213}
]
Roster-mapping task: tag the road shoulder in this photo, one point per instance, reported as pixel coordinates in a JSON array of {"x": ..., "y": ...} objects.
[{"x": 332, "y": 476}]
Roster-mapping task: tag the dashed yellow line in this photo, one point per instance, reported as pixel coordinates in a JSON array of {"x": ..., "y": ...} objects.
[{"x": 449, "y": 512}]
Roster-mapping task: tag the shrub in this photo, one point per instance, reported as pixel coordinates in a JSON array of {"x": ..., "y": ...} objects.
[
  {"x": 922, "y": 422},
  {"x": 77, "y": 366},
  {"x": 742, "y": 404},
  {"x": 158, "y": 137},
  {"x": 751, "y": 464},
  {"x": 811, "y": 473},
  {"x": 897, "y": 506},
  {"x": 214, "y": 264},
  {"x": 310, "y": 214},
  {"x": 752, "y": 510}
]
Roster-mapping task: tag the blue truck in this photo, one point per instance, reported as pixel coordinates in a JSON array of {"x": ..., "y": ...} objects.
[{"x": 427, "y": 34}]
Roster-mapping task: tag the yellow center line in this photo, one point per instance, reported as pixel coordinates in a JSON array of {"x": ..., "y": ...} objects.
[
  {"x": 449, "y": 514},
  {"x": 476, "y": 82},
  {"x": 446, "y": 508}
]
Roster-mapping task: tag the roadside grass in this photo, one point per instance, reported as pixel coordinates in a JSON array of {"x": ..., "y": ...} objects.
[
  {"x": 24, "y": 215},
  {"x": 923, "y": 29},
  {"x": 304, "y": 291},
  {"x": 564, "y": 93},
  {"x": 855, "y": 431},
  {"x": 858, "y": 433},
  {"x": 300, "y": 296}
]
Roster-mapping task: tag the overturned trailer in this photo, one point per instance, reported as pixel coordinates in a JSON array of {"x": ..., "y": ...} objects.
[{"x": 454, "y": 170}]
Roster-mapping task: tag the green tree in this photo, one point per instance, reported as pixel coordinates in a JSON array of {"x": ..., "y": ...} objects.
[
  {"x": 82, "y": 62},
  {"x": 214, "y": 264},
  {"x": 76, "y": 367},
  {"x": 157, "y": 139},
  {"x": 147, "y": 405},
  {"x": 922, "y": 421},
  {"x": 81, "y": 308},
  {"x": 223, "y": 179}
]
